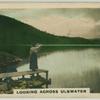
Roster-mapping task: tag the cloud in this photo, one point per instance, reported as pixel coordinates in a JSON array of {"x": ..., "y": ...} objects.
[
  {"x": 83, "y": 22},
  {"x": 93, "y": 13},
  {"x": 95, "y": 32},
  {"x": 63, "y": 26}
]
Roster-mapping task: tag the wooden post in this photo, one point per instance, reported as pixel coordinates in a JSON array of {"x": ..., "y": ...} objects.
[
  {"x": 46, "y": 79},
  {"x": 23, "y": 76}
]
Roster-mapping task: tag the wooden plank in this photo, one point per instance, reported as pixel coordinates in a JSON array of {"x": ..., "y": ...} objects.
[{"x": 15, "y": 74}]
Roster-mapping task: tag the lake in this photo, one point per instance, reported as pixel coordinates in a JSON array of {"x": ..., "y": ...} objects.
[{"x": 73, "y": 68}]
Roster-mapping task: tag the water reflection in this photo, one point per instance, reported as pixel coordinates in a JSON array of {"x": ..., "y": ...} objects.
[
  {"x": 88, "y": 79},
  {"x": 72, "y": 68}
]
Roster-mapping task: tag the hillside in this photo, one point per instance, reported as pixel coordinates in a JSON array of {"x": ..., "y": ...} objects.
[{"x": 14, "y": 32}]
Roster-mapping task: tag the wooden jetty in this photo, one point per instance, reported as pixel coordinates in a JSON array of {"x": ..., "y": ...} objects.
[
  {"x": 24, "y": 73},
  {"x": 16, "y": 74},
  {"x": 7, "y": 80}
]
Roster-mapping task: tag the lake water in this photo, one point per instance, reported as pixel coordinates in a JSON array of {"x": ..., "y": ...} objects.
[{"x": 72, "y": 68}]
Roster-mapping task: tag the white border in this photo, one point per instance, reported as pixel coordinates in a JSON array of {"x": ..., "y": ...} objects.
[
  {"x": 13, "y": 5},
  {"x": 50, "y": 5},
  {"x": 48, "y": 1}
]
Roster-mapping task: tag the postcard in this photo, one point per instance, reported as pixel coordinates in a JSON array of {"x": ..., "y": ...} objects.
[{"x": 49, "y": 50}]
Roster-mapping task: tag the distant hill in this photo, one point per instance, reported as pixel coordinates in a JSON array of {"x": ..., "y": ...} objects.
[{"x": 14, "y": 32}]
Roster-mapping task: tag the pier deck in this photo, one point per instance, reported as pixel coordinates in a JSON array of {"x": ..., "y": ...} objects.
[{"x": 16, "y": 74}]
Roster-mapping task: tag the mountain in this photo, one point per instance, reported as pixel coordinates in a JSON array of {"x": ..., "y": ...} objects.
[{"x": 14, "y": 33}]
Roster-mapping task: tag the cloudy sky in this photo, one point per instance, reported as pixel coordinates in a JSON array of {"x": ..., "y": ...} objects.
[{"x": 73, "y": 22}]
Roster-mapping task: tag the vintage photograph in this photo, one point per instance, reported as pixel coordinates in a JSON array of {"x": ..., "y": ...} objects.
[{"x": 42, "y": 48}]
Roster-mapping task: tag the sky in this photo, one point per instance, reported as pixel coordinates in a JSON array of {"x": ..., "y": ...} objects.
[{"x": 73, "y": 22}]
